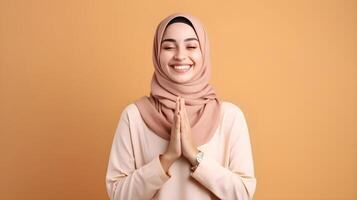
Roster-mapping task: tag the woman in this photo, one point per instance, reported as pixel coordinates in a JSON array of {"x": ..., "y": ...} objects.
[{"x": 182, "y": 142}]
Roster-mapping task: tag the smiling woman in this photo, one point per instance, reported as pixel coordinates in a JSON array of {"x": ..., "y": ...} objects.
[
  {"x": 181, "y": 142},
  {"x": 180, "y": 52}
]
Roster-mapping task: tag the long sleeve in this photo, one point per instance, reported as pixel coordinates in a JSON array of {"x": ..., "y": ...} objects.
[
  {"x": 238, "y": 180},
  {"x": 124, "y": 180}
]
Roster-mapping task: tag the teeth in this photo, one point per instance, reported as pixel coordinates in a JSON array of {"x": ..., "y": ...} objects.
[{"x": 182, "y": 67}]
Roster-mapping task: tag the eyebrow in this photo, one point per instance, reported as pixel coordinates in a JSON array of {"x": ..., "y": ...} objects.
[{"x": 172, "y": 40}]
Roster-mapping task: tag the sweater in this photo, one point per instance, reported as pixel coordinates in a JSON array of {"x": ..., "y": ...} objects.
[{"x": 226, "y": 171}]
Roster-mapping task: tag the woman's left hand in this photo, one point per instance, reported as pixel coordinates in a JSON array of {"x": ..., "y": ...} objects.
[{"x": 188, "y": 146}]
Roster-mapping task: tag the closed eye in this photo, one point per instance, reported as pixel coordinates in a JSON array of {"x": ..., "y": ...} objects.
[{"x": 168, "y": 48}]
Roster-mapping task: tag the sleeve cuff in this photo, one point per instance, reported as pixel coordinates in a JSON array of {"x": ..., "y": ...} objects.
[
  {"x": 206, "y": 170},
  {"x": 156, "y": 164}
]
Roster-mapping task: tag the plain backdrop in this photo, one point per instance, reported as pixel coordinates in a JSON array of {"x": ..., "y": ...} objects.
[{"x": 69, "y": 67}]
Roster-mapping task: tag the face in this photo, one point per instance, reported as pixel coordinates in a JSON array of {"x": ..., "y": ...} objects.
[{"x": 180, "y": 53}]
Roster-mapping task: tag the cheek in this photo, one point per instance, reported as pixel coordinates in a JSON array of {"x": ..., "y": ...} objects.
[
  {"x": 164, "y": 58},
  {"x": 197, "y": 57}
]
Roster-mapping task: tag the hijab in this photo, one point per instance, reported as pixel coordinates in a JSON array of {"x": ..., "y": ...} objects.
[{"x": 201, "y": 102}]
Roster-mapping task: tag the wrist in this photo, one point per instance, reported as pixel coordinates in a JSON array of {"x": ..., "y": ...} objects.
[
  {"x": 168, "y": 158},
  {"x": 192, "y": 157},
  {"x": 198, "y": 159},
  {"x": 166, "y": 161}
]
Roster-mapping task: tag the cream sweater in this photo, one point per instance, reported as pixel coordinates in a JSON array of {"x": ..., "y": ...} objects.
[{"x": 226, "y": 171}]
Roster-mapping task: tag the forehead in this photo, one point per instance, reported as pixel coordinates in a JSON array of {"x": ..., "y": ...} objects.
[{"x": 179, "y": 31}]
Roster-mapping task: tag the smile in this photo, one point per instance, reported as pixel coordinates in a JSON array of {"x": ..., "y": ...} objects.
[{"x": 181, "y": 68}]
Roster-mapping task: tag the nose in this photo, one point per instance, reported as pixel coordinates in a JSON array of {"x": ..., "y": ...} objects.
[{"x": 180, "y": 54}]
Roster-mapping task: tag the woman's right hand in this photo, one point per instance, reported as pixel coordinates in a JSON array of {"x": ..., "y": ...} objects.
[{"x": 173, "y": 151}]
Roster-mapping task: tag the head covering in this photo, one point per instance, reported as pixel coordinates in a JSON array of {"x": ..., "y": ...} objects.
[
  {"x": 180, "y": 20},
  {"x": 201, "y": 102}
]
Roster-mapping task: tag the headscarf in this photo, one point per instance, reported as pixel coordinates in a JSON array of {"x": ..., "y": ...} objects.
[{"x": 201, "y": 102}]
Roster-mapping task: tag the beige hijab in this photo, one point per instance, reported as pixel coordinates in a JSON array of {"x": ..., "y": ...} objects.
[{"x": 202, "y": 104}]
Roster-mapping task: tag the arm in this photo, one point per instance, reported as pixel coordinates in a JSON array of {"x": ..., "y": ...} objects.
[
  {"x": 238, "y": 180},
  {"x": 123, "y": 179}
]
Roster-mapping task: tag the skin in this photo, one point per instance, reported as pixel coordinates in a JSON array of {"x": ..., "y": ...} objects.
[
  {"x": 180, "y": 46},
  {"x": 181, "y": 141}
]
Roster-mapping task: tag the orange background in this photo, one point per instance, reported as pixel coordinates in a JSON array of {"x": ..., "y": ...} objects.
[{"x": 68, "y": 68}]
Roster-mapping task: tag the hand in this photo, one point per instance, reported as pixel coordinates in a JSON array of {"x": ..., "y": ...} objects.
[
  {"x": 173, "y": 151},
  {"x": 189, "y": 148}
]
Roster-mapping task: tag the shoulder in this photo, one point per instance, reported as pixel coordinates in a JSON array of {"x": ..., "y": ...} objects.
[
  {"x": 130, "y": 109},
  {"x": 233, "y": 121},
  {"x": 229, "y": 109},
  {"x": 129, "y": 113},
  {"x": 232, "y": 116}
]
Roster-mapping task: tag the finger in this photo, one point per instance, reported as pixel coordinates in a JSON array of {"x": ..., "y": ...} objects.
[
  {"x": 182, "y": 107},
  {"x": 177, "y": 109},
  {"x": 183, "y": 123},
  {"x": 184, "y": 111},
  {"x": 176, "y": 113},
  {"x": 178, "y": 125},
  {"x": 175, "y": 122},
  {"x": 175, "y": 131}
]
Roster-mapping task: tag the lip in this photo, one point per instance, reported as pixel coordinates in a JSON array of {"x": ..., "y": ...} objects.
[{"x": 181, "y": 71}]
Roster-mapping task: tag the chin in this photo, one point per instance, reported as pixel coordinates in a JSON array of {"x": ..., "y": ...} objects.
[{"x": 181, "y": 79}]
